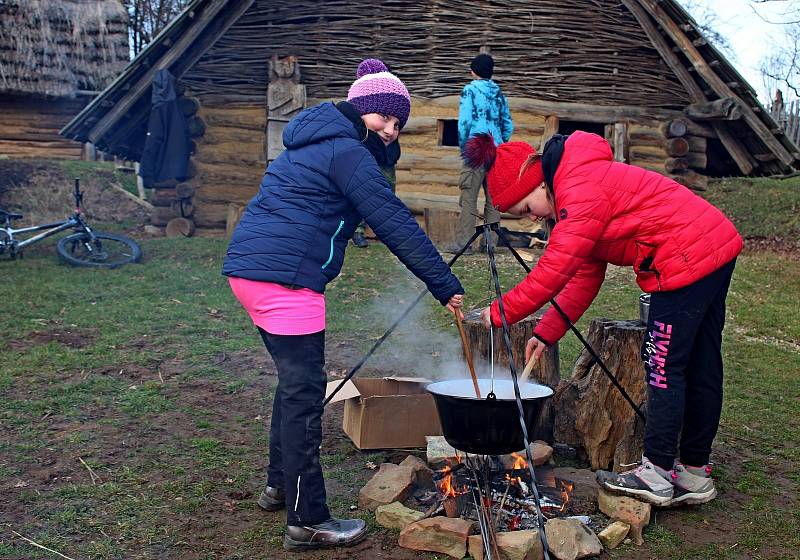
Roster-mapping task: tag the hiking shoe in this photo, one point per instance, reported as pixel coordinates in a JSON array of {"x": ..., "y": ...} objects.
[
  {"x": 647, "y": 482},
  {"x": 272, "y": 499},
  {"x": 330, "y": 533},
  {"x": 359, "y": 240},
  {"x": 692, "y": 485}
]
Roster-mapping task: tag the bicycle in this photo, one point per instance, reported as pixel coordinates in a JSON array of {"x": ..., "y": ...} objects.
[{"x": 85, "y": 247}]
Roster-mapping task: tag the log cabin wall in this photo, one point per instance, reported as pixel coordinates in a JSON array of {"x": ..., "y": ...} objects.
[
  {"x": 230, "y": 159},
  {"x": 29, "y": 126}
]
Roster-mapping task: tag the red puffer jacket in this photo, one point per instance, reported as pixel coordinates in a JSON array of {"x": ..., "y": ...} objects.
[{"x": 610, "y": 212}]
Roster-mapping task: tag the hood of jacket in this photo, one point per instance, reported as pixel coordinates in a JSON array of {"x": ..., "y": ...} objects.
[
  {"x": 488, "y": 87},
  {"x": 316, "y": 124},
  {"x": 163, "y": 88},
  {"x": 584, "y": 147}
]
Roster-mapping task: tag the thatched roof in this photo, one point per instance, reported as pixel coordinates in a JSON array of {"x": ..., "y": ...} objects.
[
  {"x": 61, "y": 47},
  {"x": 639, "y": 53}
]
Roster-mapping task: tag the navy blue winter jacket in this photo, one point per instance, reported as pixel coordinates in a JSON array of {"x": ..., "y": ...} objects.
[{"x": 312, "y": 197}]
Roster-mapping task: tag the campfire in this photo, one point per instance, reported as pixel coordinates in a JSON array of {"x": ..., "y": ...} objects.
[{"x": 498, "y": 490}]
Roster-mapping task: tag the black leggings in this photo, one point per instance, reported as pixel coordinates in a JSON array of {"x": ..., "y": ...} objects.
[
  {"x": 683, "y": 364},
  {"x": 296, "y": 426}
]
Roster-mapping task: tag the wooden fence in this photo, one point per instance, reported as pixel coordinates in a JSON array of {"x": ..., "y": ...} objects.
[{"x": 788, "y": 117}]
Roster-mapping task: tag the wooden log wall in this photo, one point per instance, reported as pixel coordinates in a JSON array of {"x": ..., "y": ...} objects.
[
  {"x": 29, "y": 127},
  {"x": 230, "y": 160}
]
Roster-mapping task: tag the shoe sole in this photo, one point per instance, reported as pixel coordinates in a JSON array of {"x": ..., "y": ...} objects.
[
  {"x": 293, "y": 545},
  {"x": 646, "y": 496},
  {"x": 693, "y": 499}
]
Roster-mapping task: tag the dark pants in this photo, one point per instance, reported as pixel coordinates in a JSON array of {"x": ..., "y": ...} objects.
[
  {"x": 683, "y": 364},
  {"x": 296, "y": 427}
]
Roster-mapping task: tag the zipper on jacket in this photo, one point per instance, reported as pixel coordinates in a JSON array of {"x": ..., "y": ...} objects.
[{"x": 330, "y": 256}]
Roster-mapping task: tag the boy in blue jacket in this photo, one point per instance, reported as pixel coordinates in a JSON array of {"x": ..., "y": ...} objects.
[
  {"x": 289, "y": 244},
  {"x": 483, "y": 109}
]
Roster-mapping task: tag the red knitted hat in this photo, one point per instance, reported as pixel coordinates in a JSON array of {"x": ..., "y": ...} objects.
[{"x": 504, "y": 162}]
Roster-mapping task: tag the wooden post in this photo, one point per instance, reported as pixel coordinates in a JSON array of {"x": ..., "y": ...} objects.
[
  {"x": 286, "y": 97},
  {"x": 546, "y": 371},
  {"x": 621, "y": 142},
  {"x": 591, "y": 414},
  {"x": 550, "y": 128},
  {"x": 440, "y": 225}
]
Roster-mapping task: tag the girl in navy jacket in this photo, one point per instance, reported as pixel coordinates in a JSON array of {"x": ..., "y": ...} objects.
[{"x": 290, "y": 243}]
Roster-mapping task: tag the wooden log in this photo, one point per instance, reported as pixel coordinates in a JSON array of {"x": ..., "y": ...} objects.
[
  {"x": 697, "y": 160},
  {"x": 163, "y": 197},
  {"x": 670, "y": 129},
  {"x": 672, "y": 165},
  {"x": 196, "y": 126},
  {"x": 182, "y": 208},
  {"x": 235, "y": 212},
  {"x": 440, "y": 226},
  {"x": 184, "y": 190},
  {"x": 188, "y": 105},
  {"x": 550, "y": 128},
  {"x": 691, "y": 179},
  {"x": 180, "y": 227},
  {"x": 727, "y": 108},
  {"x": 545, "y": 372},
  {"x": 677, "y": 147},
  {"x": 647, "y": 153},
  {"x": 737, "y": 150},
  {"x": 697, "y": 143},
  {"x": 591, "y": 414},
  {"x": 161, "y": 215}
]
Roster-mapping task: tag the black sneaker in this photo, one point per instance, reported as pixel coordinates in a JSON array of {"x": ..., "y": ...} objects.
[
  {"x": 272, "y": 499},
  {"x": 359, "y": 240},
  {"x": 328, "y": 534}
]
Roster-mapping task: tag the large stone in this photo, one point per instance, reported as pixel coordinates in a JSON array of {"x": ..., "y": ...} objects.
[
  {"x": 541, "y": 453},
  {"x": 614, "y": 534},
  {"x": 515, "y": 545},
  {"x": 392, "y": 483},
  {"x": 625, "y": 509},
  {"x": 437, "y": 534},
  {"x": 585, "y": 483},
  {"x": 569, "y": 539},
  {"x": 440, "y": 453},
  {"x": 423, "y": 475},
  {"x": 396, "y": 516}
]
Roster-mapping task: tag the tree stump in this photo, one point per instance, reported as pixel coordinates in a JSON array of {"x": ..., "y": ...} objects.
[
  {"x": 180, "y": 227},
  {"x": 591, "y": 414},
  {"x": 545, "y": 372},
  {"x": 440, "y": 226}
]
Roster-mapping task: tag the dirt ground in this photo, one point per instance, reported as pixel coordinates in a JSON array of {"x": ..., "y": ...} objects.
[{"x": 217, "y": 529}]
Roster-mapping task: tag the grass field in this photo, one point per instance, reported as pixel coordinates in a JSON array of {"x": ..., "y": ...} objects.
[{"x": 134, "y": 403}]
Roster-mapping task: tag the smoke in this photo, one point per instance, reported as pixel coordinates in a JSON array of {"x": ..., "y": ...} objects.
[{"x": 426, "y": 344}]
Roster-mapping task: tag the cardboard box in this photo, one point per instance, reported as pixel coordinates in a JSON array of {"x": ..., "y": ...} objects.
[{"x": 392, "y": 412}]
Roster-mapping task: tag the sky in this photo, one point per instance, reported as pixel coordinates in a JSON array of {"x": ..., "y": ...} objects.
[{"x": 750, "y": 37}]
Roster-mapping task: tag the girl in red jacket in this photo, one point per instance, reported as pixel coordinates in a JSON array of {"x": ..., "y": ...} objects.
[{"x": 683, "y": 251}]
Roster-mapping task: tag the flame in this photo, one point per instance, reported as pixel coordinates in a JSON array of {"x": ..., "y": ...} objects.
[
  {"x": 566, "y": 490},
  {"x": 446, "y": 483},
  {"x": 519, "y": 462}
]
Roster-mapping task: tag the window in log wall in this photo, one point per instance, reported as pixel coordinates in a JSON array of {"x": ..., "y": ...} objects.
[
  {"x": 568, "y": 127},
  {"x": 448, "y": 132}
]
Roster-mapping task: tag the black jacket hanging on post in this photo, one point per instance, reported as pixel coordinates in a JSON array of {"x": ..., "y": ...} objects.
[{"x": 166, "y": 149}]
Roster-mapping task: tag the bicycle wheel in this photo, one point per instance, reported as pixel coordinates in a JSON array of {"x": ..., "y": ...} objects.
[{"x": 105, "y": 251}]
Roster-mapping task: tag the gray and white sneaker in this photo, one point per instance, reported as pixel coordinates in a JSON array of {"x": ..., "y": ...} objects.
[
  {"x": 647, "y": 482},
  {"x": 692, "y": 485}
]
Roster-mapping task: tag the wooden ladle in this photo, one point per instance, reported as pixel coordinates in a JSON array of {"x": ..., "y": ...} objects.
[{"x": 467, "y": 353}]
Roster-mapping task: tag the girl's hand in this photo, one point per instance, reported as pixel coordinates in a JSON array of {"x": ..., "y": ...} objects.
[
  {"x": 455, "y": 303},
  {"x": 486, "y": 317},
  {"x": 534, "y": 347}
]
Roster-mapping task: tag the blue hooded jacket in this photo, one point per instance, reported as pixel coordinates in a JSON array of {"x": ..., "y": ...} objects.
[
  {"x": 295, "y": 230},
  {"x": 483, "y": 108}
]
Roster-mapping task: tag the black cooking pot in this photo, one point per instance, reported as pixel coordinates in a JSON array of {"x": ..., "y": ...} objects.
[{"x": 487, "y": 426}]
